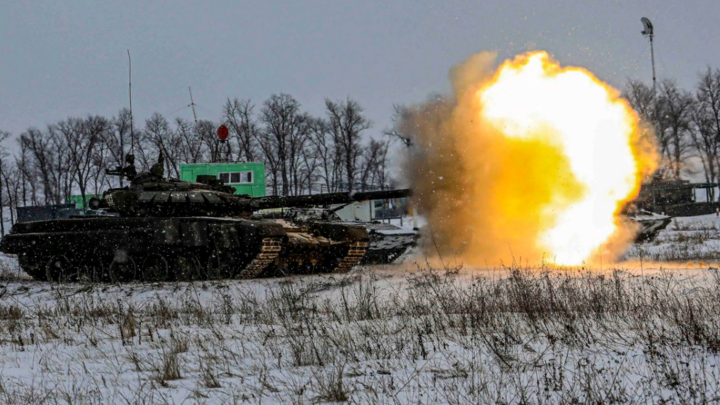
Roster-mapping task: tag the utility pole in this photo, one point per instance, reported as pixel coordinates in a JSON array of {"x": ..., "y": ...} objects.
[
  {"x": 192, "y": 104},
  {"x": 648, "y": 32},
  {"x": 132, "y": 132}
]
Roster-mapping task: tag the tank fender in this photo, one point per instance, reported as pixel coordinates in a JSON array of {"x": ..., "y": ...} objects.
[
  {"x": 340, "y": 232},
  {"x": 250, "y": 230}
]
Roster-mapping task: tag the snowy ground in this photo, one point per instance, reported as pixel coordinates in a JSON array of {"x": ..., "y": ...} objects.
[
  {"x": 376, "y": 335},
  {"x": 690, "y": 241}
]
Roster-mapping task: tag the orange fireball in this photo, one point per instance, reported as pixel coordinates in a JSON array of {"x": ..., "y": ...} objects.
[
  {"x": 527, "y": 161},
  {"x": 533, "y": 99}
]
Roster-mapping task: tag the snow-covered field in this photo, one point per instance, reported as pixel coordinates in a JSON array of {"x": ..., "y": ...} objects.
[
  {"x": 692, "y": 241},
  {"x": 630, "y": 334}
]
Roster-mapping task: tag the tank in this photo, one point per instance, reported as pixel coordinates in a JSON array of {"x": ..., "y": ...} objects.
[
  {"x": 161, "y": 229},
  {"x": 650, "y": 223},
  {"x": 388, "y": 243}
]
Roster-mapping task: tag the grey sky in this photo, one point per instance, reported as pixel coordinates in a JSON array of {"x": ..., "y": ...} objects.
[{"x": 60, "y": 59}]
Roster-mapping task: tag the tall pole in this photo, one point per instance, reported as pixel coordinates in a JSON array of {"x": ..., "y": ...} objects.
[
  {"x": 652, "y": 59},
  {"x": 650, "y": 33},
  {"x": 192, "y": 104},
  {"x": 132, "y": 131}
]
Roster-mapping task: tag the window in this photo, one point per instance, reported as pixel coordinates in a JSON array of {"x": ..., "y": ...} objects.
[{"x": 245, "y": 177}]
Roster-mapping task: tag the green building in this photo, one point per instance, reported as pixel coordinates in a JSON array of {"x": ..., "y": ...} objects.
[{"x": 247, "y": 178}]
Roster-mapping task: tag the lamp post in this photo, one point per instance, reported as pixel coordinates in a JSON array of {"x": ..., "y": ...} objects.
[{"x": 648, "y": 32}]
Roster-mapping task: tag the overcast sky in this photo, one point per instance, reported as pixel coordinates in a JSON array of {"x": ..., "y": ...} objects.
[{"x": 68, "y": 58}]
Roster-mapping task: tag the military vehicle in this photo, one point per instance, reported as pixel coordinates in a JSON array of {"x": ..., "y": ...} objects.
[
  {"x": 167, "y": 229},
  {"x": 387, "y": 243},
  {"x": 650, "y": 223}
]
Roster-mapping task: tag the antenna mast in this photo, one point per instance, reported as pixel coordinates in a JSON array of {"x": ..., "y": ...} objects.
[
  {"x": 132, "y": 131},
  {"x": 192, "y": 104}
]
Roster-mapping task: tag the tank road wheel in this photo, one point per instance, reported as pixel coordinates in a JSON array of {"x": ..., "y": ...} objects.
[
  {"x": 33, "y": 266},
  {"x": 90, "y": 273},
  {"x": 214, "y": 270},
  {"x": 122, "y": 269},
  {"x": 60, "y": 269},
  {"x": 93, "y": 268},
  {"x": 155, "y": 268},
  {"x": 188, "y": 268}
]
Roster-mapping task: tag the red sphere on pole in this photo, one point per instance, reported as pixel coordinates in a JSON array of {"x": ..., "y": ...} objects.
[{"x": 222, "y": 133}]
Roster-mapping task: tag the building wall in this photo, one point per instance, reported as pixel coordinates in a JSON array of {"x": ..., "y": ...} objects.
[
  {"x": 375, "y": 209},
  {"x": 190, "y": 171},
  {"x": 358, "y": 211}
]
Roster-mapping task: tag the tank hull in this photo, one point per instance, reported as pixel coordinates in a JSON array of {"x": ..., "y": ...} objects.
[
  {"x": 150, "y": 249},
  {"x": 114, "y": 249}
]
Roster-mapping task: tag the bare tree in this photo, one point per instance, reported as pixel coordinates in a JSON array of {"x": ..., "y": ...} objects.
[
  {"x": 82, "y": 137},
  {"x": 675, "y": 114},
  {"x": 191, "y": 146},
  {"x": 397, "y": 131},
  {"x": 705, "y": 141},
  {"x": 48, "y": 156},
  {"x": 37, "y": 166},
  {"x": 284, "y": 135},
  {"x": 327, "y": 153},
  {"x": 206, "y": 132},
  {"x": 9, "y": 174},
  {"x": 642, "y": 99},
  {"x": 161, "y": 139},
  {"x": 238, "y": 114},
  {"x": 346, "y": 122},
  {"x": 27, "y": 175},
  {"x": 371, "y": 159},
  {"x": 4, "y": 199},
  {"x": 706, "y": 122},
  {"x": 651, "y": 108},
  {"x": 116, "y": 141}
]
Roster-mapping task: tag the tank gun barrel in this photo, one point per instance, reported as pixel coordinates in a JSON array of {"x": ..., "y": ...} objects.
[{"x": 326, "y": 199}]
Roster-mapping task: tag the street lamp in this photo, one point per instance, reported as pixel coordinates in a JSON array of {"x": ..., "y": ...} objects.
[{"x": 648, "y": 32}]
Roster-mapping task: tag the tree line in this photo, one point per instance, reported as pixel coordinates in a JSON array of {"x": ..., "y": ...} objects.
[
  {"x": 302, "y": 153},
  {"x": 686, "y": 124}
]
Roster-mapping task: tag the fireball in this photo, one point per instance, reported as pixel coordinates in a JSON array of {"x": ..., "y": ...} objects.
[{"x": 585, "y": 135}]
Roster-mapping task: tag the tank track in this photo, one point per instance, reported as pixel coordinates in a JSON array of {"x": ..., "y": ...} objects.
[
  {"x": 356, "y": 252},
  {"x": 269, "y": 250}
]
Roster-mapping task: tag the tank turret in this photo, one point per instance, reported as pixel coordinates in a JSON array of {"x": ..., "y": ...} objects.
[{"x": 152, "y": 195}]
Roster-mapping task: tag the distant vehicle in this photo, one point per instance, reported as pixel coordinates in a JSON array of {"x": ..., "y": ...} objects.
[{"x": 650, "y": 223}]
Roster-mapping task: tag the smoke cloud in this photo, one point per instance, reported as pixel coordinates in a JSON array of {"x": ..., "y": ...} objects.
[{"x": 486, "y": 195}]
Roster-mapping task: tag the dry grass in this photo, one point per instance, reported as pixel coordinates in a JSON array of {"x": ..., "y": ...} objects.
[{"x": 523, "y": 336}]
